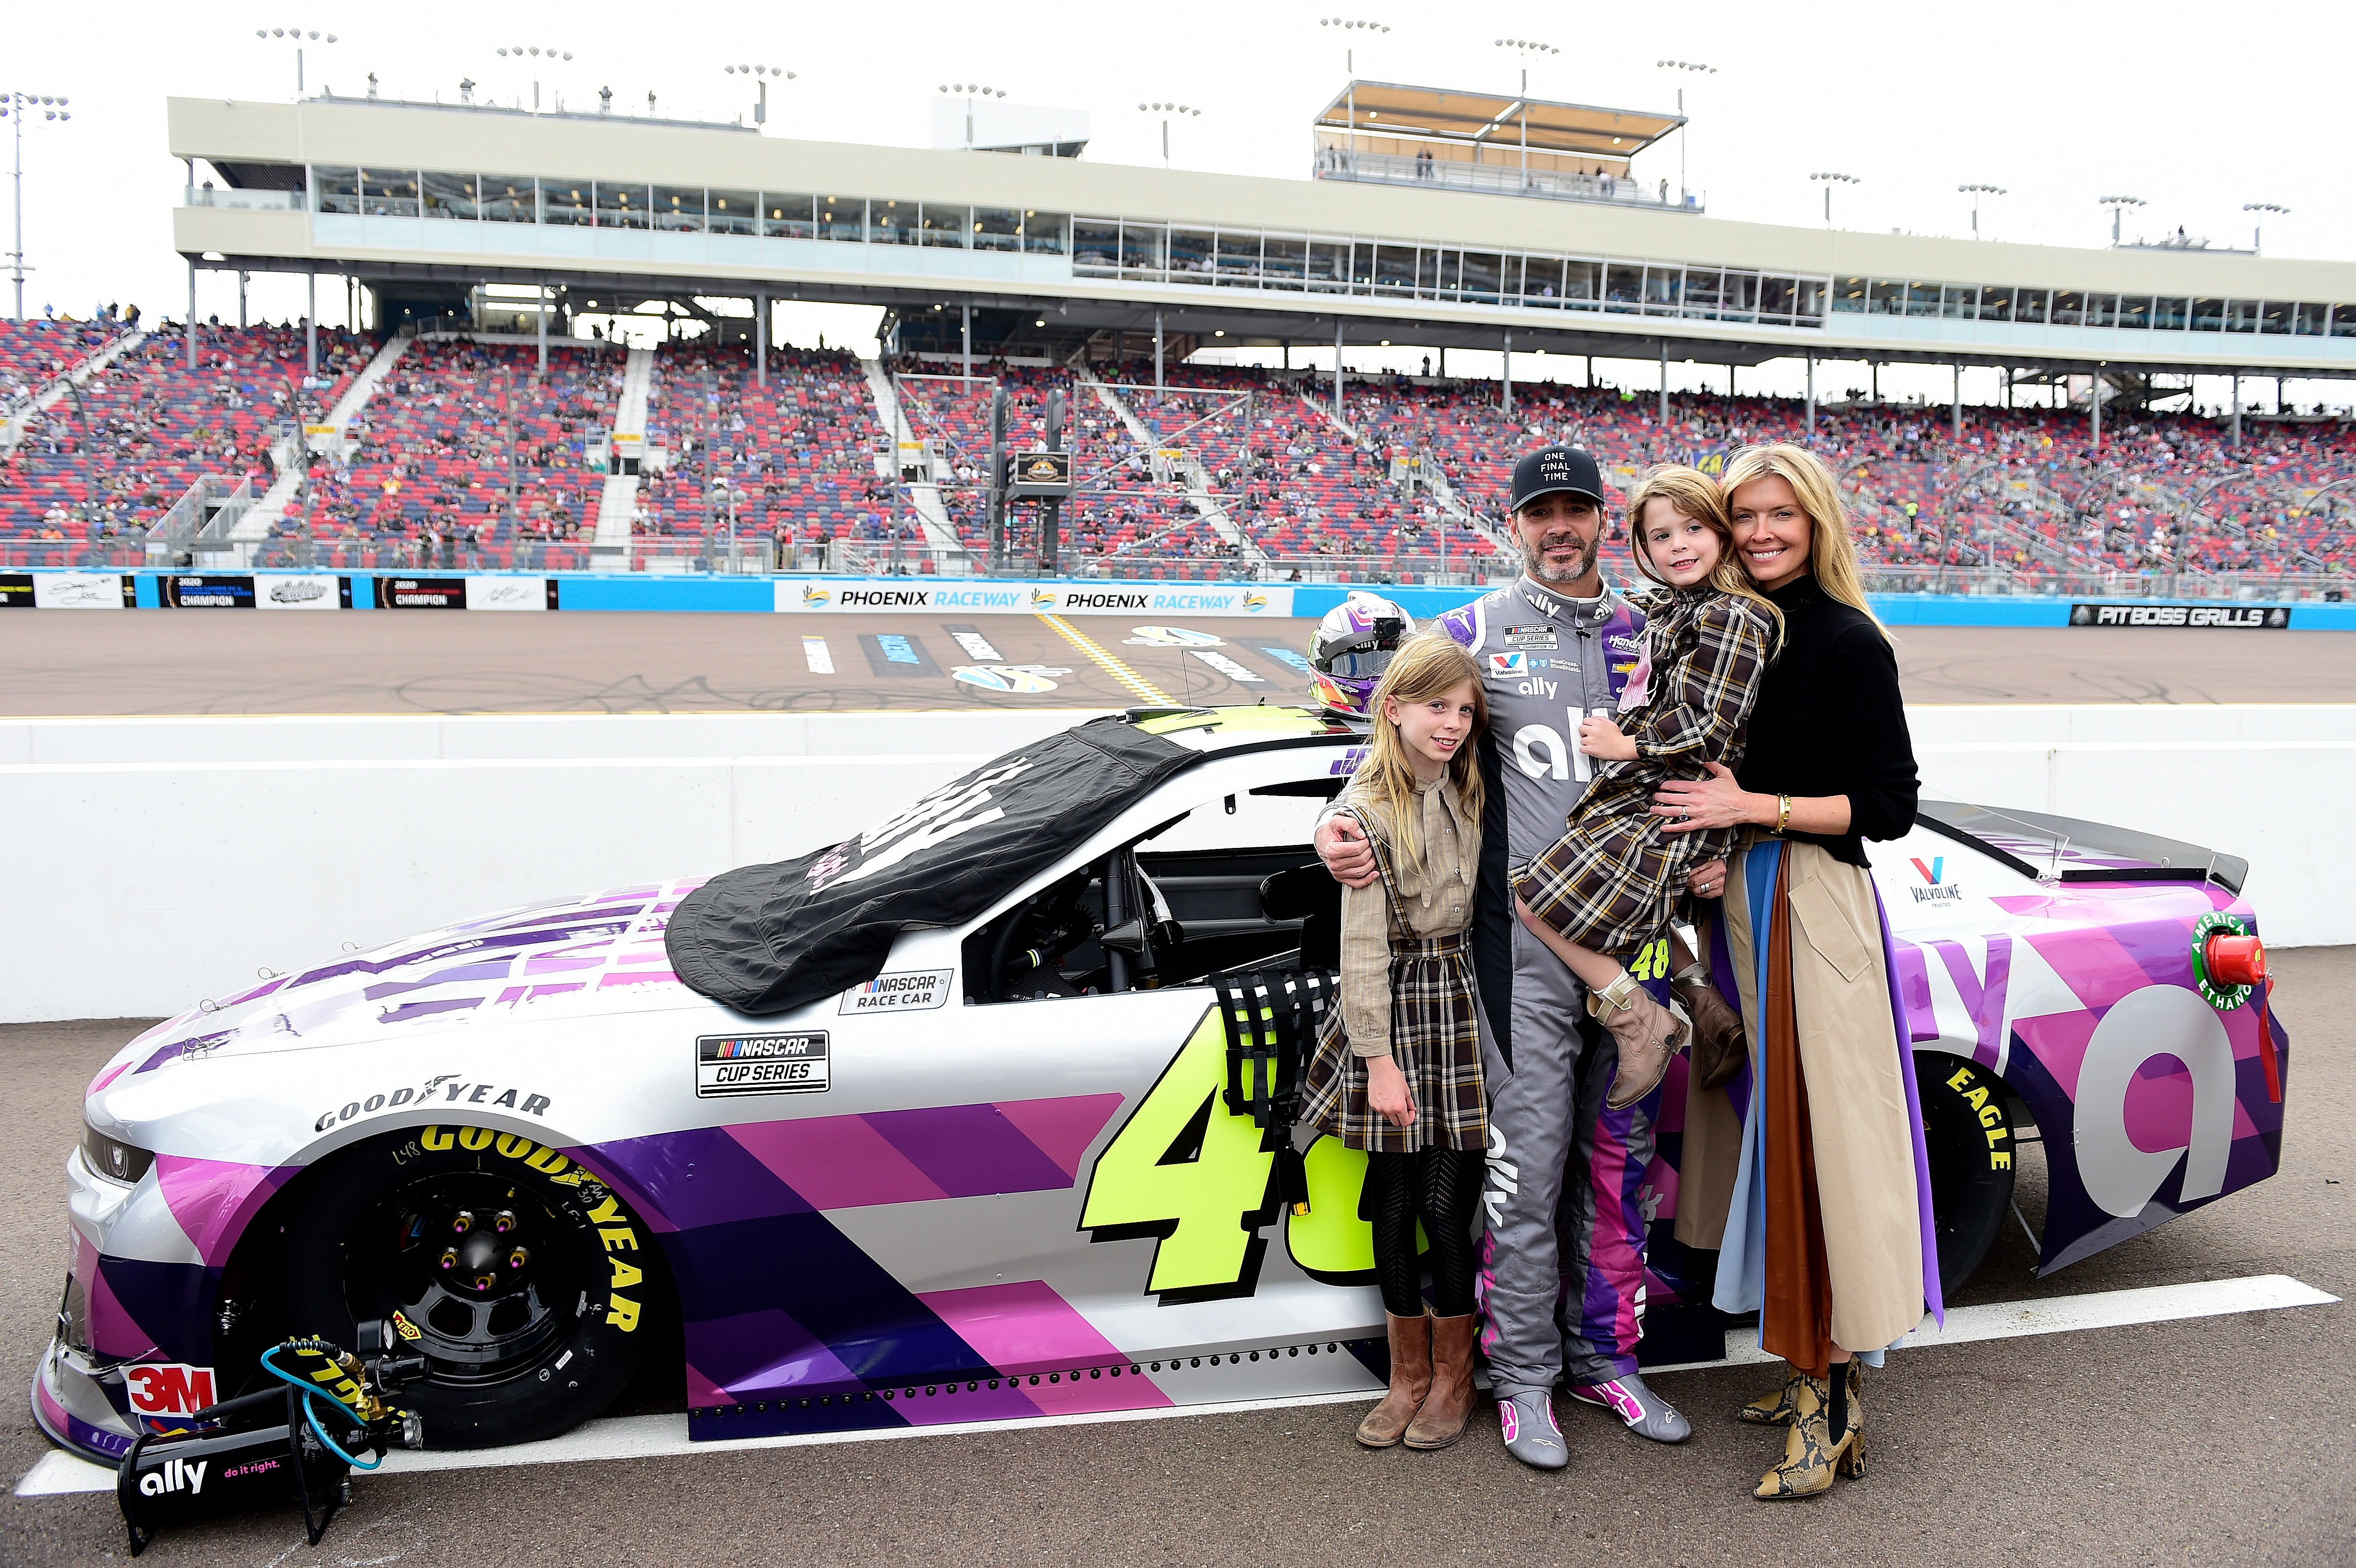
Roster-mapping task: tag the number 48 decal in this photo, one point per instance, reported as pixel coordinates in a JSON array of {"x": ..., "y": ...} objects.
[{"x": 1202, "y": 1183}]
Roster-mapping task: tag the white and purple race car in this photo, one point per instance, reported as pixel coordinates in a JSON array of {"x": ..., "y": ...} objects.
[{"x": 985, "y": 1113}]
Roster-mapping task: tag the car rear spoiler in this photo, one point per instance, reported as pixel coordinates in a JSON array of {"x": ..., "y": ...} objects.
[{"x": 2070, "y": 850}]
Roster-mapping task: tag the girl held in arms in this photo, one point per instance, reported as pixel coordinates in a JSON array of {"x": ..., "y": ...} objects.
[
  {"x": 1397, "y": 1066},
  {"x": 1607, "y": 886}
]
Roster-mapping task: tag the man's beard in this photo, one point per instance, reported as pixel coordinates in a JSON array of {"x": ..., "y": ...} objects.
[{"x": 1534, "y": 562}]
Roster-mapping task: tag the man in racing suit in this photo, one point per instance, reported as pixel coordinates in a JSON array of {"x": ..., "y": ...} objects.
[{"x": 1563, "y": 1261}]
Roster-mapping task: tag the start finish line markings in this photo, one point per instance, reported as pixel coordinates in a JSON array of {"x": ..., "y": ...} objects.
[
  {"x": 658, "y": 1436},
  {"x": 814, "y": 650}
]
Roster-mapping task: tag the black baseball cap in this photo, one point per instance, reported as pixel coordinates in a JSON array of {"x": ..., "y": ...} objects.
[{"x": 1553, "y": 468}]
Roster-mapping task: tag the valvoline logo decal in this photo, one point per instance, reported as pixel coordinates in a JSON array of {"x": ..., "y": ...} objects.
[
  {"x": 1515, "y": 663},
  {"x": 813, "y": 594},
  {"x": 1936, "y": 888}
]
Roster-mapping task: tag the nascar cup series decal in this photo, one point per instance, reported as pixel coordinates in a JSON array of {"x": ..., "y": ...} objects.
[
  {"x": 729, "y": 1064},
  {"x": 906, "y": 993}
]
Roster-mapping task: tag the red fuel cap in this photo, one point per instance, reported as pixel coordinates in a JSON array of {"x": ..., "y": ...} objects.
[{"x": 2235, "y": 960}]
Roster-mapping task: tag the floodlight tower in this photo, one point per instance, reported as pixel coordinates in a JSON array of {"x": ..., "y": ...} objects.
[
  {"x": 2258, "y": 235},
  {"x": 1166, "y": 111},
  {"x": 549, "y": 53},
  {"x": 297, "y": 35},
  {"x": 18, "y": 107},
  {"x": 761, "y": 73},
  {"x": 1682, "y": 130},
  {"x": 1976, "y": 192},
  {"x": 969, "y": 91},
  {"x": 1830, "y": 180},
  {"x": 1351, "y": 24},
  {"x": 2118, "y": 205}
]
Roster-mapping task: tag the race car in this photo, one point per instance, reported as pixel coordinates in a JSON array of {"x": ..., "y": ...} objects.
[{"x": 986, "y": 1112}]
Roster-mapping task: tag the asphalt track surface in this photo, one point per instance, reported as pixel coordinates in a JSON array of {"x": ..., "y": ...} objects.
[
  {"x": 2224, "y": 1439},
  {"x": 57, "y": 663}
]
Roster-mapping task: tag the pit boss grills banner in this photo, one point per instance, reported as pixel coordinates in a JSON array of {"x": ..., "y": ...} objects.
[{"x": 2230, "y": 617}]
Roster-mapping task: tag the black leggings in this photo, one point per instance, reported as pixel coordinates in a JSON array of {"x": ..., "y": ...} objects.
[{"x": 1441, "y": 1185}]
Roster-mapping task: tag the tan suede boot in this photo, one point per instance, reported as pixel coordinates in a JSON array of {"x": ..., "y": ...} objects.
[
  {"x": 1411, "y": 1383},
  {"x": 1442, "y": 1420}
]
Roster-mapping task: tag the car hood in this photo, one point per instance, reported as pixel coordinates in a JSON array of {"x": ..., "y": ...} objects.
[{"x": 566, "y": 953}]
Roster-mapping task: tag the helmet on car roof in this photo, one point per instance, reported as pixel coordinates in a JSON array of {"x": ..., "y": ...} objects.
[{"x": 1351, "y": 648}]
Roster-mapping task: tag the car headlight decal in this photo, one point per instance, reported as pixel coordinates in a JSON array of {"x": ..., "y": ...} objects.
[{"x": 111, "y": 1158}]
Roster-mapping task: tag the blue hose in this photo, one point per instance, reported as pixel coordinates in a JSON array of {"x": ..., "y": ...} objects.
[{"x": 310, "y": 1393}]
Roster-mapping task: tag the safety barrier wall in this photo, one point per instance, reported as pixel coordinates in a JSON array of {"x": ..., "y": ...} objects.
[
  {"x": 158, "y": 862},
  {"x": 60, "y": 589}
]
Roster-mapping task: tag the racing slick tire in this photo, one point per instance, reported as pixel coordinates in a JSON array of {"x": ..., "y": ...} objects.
[
  {"x": 525, "y": 1283},
  {"x": 1967, "y": 1136}
]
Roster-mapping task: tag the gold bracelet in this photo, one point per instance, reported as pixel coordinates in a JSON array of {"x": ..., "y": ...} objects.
[{"x": 1783, "y": 815}]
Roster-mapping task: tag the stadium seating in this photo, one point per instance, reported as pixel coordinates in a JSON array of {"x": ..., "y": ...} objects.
[
  {"x": 799, "y": 454},
  {"x": 2022, "y": 500},
  {"x": 109, "y": 459},
  {"x": 438, "y": 447}
]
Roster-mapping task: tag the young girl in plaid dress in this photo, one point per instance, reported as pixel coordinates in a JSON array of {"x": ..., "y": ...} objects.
[
  {"x": 1397, "y": 1066},
  {"x": 1607, "y": 886}
]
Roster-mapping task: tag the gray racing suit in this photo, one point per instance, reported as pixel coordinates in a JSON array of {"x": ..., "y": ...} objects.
[{"x": 1563, "y": 1261}]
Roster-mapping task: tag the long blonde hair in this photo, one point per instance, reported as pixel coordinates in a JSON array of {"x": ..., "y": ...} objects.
[
  {"x": 1693, "y": 494},
  {"x": 1428, "y": 665},
  {"x": 1832, "y": 555}
]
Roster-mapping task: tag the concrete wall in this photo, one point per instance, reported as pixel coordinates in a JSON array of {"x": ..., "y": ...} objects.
[{"x": 156, "y": 861}]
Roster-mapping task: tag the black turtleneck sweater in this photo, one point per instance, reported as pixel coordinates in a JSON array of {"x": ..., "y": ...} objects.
[{"x": 1829, "y": 720}]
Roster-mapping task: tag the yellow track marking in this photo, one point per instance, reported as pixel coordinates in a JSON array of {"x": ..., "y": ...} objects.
[{"x": 1110, "y": 665}]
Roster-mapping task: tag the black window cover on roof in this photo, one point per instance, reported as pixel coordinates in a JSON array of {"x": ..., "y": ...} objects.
[{"x": 767, "y": 939}]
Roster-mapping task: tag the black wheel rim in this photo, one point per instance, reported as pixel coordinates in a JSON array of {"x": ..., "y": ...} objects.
[{"x": 486, "y": 1274}]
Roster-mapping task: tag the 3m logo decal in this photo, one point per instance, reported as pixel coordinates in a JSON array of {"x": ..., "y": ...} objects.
[{"x": 168, "y": 1388}]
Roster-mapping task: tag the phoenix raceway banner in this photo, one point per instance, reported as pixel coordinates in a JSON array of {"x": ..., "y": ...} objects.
[{"x": 816, "y": 595}]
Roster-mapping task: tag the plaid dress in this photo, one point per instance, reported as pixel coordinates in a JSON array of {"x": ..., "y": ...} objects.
[
  {"x": 1609, "y": 882},
  {"x": 1435, "y": 1038}
]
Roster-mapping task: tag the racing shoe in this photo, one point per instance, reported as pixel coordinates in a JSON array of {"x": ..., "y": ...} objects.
[
  {"x": 1648, "y": 1035},
  {"x": 1531, "y": 1435},
  {"x": 1642, "y": 1411}
]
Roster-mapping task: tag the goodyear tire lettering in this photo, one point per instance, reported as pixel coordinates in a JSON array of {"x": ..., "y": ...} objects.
[
  {"x": 614, "y": 1225},
  {"x": 1966, "y": 1082}
]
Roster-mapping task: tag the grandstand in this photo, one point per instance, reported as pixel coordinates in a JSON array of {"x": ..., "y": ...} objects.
[{"x": 444, "y": 437}]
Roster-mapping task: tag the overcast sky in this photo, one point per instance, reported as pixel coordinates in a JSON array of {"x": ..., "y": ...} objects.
[{"x": 2195, "y": 108}]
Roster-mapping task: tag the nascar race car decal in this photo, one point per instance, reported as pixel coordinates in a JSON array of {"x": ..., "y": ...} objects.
[{"x": 990, "y": 1122}]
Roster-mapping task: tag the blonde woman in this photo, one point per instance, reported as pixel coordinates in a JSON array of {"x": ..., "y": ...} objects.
[
  {"x": 1810, "y": 1179},
  {"x": 1397, "y": 1071}
]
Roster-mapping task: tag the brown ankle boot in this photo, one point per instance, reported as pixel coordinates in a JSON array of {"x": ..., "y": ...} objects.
[
  {"x": 1648, "y": 1035},
  {"x": 1442, "y": 1420},
  {"x": 1411, "y": 1383}
]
